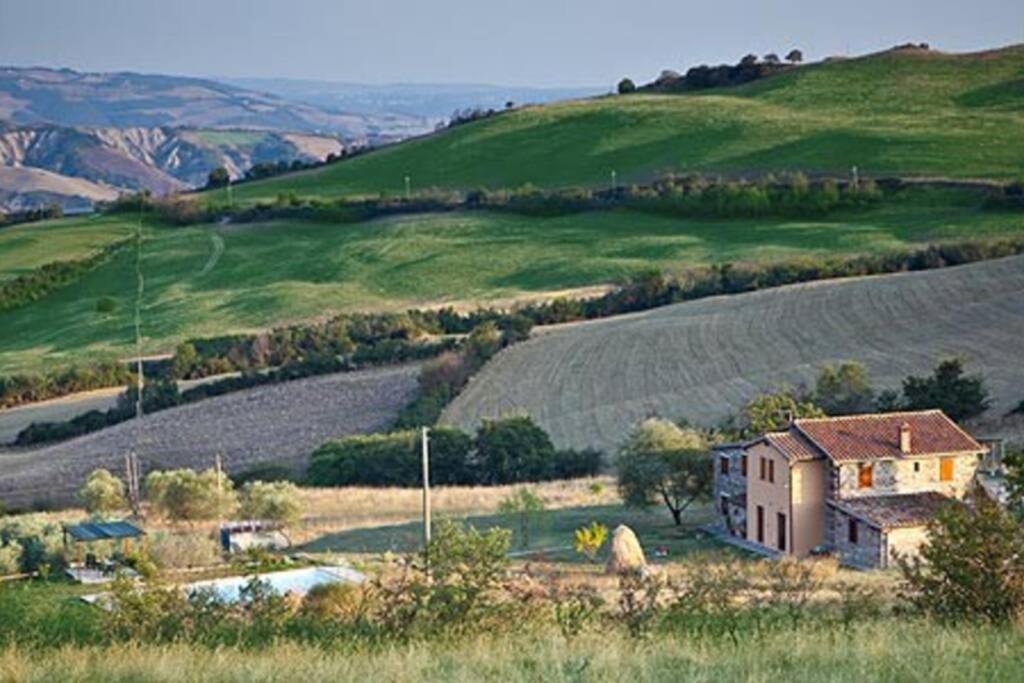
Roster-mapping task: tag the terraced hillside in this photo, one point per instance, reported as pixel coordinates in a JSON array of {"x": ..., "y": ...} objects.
[
  {"x": 588, "y": 383},
  {"x": 898, "y": 112},
  {"x": 207, "y": 280},
  {"x": 281, "y": 423}
]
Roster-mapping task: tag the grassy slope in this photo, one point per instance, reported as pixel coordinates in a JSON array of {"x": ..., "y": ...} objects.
[
  {"x": 276, "y": 272},
  {"x": 30, "y": 245},
  {"x": 906, "y": 113}
]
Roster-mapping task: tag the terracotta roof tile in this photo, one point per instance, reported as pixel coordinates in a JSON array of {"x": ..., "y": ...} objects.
[
  {"x": 895, "y": 511},
  {"x": 877, "y": 436},
  {"x": 794, "y": 446}
]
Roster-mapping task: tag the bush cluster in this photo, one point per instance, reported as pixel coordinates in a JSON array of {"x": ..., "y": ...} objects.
[
  {"x": 50, "y": 277},
  {"x": 502, "y": 452},
  {"x": 18, "y": 389}
]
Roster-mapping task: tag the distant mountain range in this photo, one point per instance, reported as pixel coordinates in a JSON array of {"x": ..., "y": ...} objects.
[
  {"x": 430, "y": 102},
  {"x": 73, "y": 138},
  {"x": 62, "y": 97},
  {"x": 74, "y": 167}
]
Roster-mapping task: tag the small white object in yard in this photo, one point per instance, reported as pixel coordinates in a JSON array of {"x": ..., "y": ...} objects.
[{"x": 627, "y": 556}]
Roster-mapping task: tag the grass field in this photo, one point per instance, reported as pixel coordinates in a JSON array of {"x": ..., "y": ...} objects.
[
  {"x": 211, "y": 280},
  {"x": 886, "y": 650},
  {"x": 893, "y": 113},
  {"x": 30, "y": 245},
  {"x": 587, "y": 384}
]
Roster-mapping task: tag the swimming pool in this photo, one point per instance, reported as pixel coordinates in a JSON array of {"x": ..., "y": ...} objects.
[{"x": 293, "y": 581}]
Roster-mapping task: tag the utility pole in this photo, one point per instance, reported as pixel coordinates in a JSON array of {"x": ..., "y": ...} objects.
[
  {"x": 132, "y": 461},
  {"x": 426, "y": 494},
  {"x": 408, "y": 188},
  {"x": 614, "y": 184}
]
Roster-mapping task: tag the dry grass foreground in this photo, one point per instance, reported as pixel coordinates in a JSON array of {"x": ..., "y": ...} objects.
[
  {"x": 588, "y": 383},
  {"x": 876, "y": 651},
  {"x": 281, "y": 423}
]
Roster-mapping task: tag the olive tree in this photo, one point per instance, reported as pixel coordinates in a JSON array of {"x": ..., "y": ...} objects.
[
  {"x": 277, "y": 501},
  {"x": 103, "y": 493},
  {"x": 662, "y": 461},
  {"x": 187, "y": 496}
]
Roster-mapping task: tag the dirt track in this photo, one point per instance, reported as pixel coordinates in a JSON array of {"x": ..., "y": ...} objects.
[
  {"x": 278, "y": 423},
  {"x": 588, "y": 383}
]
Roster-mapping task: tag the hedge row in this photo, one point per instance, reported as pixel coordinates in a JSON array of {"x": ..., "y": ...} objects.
[
  {"x": 36, "y": 284},
  {"x": 389, "y": 338},
  {"x": 502, "y": 452}
]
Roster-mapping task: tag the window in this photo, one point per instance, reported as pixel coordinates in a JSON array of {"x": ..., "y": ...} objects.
[
  {"x": 851, "y": 530},
  {"x": 945, "y": 469},
  {"x": 781, "y": 531},
  {"x": 723, "y": 464},
  {"x": 865, "y": 475},
  {"x": 917, "y": 467},
  {"x": 743, "y": 465},
  {"x": 762, "y": 467},
  {"x": 724, "y": 503},
  {"x": 760, "y": 524},
  {"x": 771, "y": 471}
]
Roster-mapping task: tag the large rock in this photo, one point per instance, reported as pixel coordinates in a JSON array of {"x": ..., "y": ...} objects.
[{"x": 627, "y": 556}]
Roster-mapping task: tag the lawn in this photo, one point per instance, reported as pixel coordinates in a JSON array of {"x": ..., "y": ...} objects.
[
  {"x": 211, "y": 280},
  {"x": 944, "y": 115},
  {"x": 548, "y": 535}
]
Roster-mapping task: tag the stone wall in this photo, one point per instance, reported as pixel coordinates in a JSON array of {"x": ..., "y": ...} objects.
[
  {"x": 734, "y": 483},
  {"x": 905, "y": 476},
  {"x": 733, "y": 486},
  {"x": 866, "y": 553}
]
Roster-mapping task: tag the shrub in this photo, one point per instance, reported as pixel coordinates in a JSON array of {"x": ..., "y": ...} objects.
[
  {"x": 588, "y": 540},
  {"x": 626, "y": 86},
  {"x": 272, "y": 501},
  {"x": 185, "y": 495},
  {"x": 181, "y": 551},
  {"x": 514, "y": 449},
  {"x": 103, "y": 493},
  {"x": 526, "y": 508},
  {"x": 374, "y": 460},
  {"x": 106, "y": 305},
  {"x": 972, "y": 566}
]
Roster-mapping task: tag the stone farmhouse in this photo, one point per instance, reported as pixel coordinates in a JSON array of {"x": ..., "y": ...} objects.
[{"x": 863, "y": 487}]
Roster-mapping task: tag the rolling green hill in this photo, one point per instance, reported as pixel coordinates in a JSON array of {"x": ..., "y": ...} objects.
[
  {"x": 208, "y": 280},
  {"x": 908, "y": 112}
]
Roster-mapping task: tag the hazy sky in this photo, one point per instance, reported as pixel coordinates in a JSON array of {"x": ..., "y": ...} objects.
[{"x": 519, "y": 42}]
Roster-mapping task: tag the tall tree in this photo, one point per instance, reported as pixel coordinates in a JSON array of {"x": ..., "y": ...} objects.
[
  {"x": 661, "y": 461},
  {"x": 948, "y": 389},
  {"x": 844, "y": 389}
]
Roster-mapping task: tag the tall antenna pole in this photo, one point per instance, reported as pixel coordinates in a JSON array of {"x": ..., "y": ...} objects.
[{"x": 426, "y": 494}]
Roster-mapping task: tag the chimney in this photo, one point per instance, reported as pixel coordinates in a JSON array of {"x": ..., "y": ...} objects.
[
  {"x": 905, "y": 438},
  {"x": 789, "y": 417}
]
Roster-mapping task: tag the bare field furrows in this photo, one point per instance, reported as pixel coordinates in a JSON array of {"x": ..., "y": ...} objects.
[
  {"x": 14, "y": 420},
  {"x": 277, "y": 423},
  {"x": 588, "y": 383}
]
